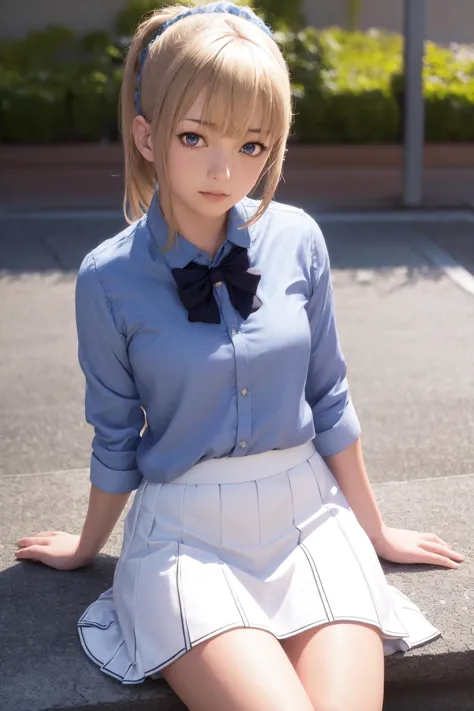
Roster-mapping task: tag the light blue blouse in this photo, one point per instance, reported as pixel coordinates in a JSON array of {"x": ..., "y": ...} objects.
[{"x": 272, "y": 381}]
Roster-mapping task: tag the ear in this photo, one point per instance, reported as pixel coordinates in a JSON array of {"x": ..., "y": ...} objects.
[{"x": 142, "y": 137}]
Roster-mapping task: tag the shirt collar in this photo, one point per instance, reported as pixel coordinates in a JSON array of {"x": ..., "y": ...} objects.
[{"x": 183, "y": 252}]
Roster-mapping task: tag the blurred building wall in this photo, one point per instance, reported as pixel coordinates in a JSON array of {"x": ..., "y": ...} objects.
[
  {"x": 17, "y": 17},
  {"x": 456, "y": 25},
  {"x": 447, "y": 20}
]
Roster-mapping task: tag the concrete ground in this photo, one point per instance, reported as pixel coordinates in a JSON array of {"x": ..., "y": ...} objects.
[{"x": 408, "y": 335}]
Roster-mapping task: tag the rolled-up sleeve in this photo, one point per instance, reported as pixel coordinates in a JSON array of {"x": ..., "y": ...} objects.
[
  {"x": 112, "y": 404},
  {"x": 327, "y": 392}
]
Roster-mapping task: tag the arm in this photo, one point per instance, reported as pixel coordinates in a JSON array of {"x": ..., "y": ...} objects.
[
  {"x": 327, "y": 391},
  {"x": 350, "y": 473},
  {"x": 394, "y": 544},
  {"x": 338, "y": 430},
  {"x": 113, "y": 408},
  {"x": 112, "y": 402},
  {"x": 102, "y": 515}
]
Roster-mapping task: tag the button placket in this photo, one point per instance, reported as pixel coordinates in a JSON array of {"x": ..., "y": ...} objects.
[
  {"x": 242, "y": 374},
  {"x": 244, "y": 409}
]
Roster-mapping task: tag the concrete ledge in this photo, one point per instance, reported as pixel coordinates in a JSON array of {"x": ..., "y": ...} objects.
[{"x": 43, "y": 667}]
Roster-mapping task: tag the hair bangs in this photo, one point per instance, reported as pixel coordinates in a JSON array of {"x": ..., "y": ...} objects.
[{"x": 244, "y": 95}]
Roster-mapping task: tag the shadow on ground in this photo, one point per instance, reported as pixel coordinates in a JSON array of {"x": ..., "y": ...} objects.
[{"x": 48, "y": 246}]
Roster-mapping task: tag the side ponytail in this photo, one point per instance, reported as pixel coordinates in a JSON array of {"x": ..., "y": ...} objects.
[{"x": 140, "y": 174}]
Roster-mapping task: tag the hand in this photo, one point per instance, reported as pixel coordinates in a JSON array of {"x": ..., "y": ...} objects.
[
  {"x": 402, "y": 546},
  {"x": 54, "y": 548}
]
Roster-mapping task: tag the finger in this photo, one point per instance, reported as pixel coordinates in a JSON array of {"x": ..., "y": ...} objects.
[
  {"x": 33, "y": 540},
  {"x": 442, "y": 550},
  {"x": 433, "y": 537},
  {"x": 436, "y": 559},
  {"x": 34, "y": 537},
  {"x": 31, "y": 553}
]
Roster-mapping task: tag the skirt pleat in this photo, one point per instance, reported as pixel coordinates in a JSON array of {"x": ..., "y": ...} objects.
[{"x": 281, "y": 553}]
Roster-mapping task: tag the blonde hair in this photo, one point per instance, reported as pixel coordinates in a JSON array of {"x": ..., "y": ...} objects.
[{"x": 240, "y": 68}]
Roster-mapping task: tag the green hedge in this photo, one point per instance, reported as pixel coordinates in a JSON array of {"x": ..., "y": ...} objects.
[
  {"x": 55, "y": 86},
  {"x": 347, "y": 86},
  {"x": 449, "y": 92},
  {"x": 345, "y": 94}
]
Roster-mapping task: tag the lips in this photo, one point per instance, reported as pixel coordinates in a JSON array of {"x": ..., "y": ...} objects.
[{"x": 210, "y": 192}]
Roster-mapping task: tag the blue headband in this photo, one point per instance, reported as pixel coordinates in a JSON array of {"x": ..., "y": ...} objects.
[{"x": 225, "y": 8}]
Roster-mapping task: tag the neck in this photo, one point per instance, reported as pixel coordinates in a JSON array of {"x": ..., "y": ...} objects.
[{"x": 206, "y": 233}]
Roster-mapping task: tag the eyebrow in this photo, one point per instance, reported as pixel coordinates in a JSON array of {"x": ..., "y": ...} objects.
[{"x": 212, "y": 125}]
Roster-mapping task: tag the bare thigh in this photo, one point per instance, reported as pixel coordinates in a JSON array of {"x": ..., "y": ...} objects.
[
  {"x": 341, "y": 666},
  {"x": 239, "y": 670}
]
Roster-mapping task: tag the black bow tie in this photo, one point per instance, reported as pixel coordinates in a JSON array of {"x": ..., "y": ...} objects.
[{"x": 196, "y": 286}]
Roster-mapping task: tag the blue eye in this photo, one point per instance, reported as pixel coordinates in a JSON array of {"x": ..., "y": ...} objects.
[
  {"x": 249, "y": 149},
  {"x": 190, "y": 140}
]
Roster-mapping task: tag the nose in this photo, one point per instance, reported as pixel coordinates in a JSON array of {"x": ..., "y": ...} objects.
[{"x": 219, "y": 166}]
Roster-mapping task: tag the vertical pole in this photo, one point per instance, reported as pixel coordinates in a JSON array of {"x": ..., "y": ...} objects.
[{"x": 414, "y": 119}]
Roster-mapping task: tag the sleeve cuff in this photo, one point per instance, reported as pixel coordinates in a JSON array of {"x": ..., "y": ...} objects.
[
  {"x": 113, "y": 481},
  {"x": 341, "y": 435}
]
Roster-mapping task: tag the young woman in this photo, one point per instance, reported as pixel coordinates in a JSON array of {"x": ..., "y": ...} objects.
[{"x": 248, "y": 577}]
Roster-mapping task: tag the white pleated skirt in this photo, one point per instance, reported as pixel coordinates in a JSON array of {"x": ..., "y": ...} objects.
[{"x": 265, "y": 541}]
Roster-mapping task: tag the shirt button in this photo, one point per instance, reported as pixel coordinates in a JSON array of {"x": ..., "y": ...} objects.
[
  {"x": 234, "y": 332},
  {"x": 242, "y": 444},
  {"x": 244, "y": 391},
  {"x": 218, "y": 283}
]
